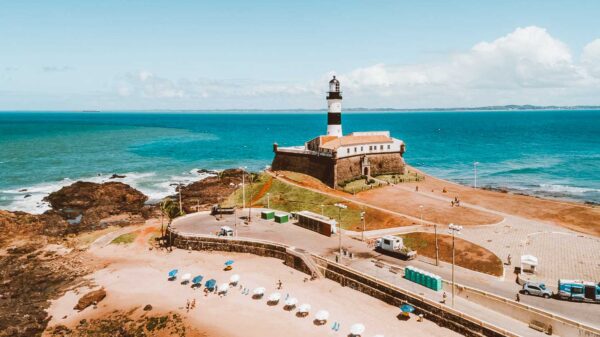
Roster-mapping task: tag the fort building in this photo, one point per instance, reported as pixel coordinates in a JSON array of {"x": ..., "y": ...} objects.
[{"x": 335, "y": 158}]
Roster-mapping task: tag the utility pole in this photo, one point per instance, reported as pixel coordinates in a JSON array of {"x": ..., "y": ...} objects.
[
  {"x": 340, "y": 207},
  {"x": 437, "y": 248},
  {"x": 362, "y": 217},
  {"x": 243, "y": 187},
  {"x": 454, "y": 230},
  {"x": 250, "y": 203}
]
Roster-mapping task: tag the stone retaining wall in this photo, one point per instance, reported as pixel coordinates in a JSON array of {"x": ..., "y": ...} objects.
[{"x": 388, "y": 293}]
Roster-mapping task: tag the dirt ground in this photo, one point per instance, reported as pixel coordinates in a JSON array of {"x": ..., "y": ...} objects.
[
  {"x": 467, "y": 254},
  {"x": 578, "y": 217}
]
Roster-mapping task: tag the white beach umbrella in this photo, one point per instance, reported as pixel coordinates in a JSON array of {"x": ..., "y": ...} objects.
[
  {"x": 235, "y": 278},
  {"x": 274, "y": 297},
  {"x": 291, "y": 302},
  {"x": 259, "y": 291},
  {"x": 304, "y": 308},
  {"x": 357, "y": 329},
  {"x": 322, "y": 315},
  {"x": 186, "y": 277},
  {"x": 223, "y": 287}
]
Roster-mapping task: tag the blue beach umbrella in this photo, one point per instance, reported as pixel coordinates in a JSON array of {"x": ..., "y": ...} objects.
[
  {"x": 407, "y": 308},
  {"x": 229, "y": 262},
  {"x": 197, "y": 279},
  {"x": 173, "y": 273},
  {"x": 210, "y": 284}
]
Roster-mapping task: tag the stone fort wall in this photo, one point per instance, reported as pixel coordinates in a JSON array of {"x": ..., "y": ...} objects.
[
  {"x": 319, "y": 167},
  {"x": 349, "y": 168},
  {"x": 333, "y": 171}
]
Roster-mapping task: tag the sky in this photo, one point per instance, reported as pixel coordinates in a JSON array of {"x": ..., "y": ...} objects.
[{"x": 138, "y": 55}]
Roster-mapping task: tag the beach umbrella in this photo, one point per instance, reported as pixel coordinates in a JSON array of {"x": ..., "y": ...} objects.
[
  {"x": 173, "y": 273},
  {"x": 407, "y": 308},
  {"x": 186, "y": 277},
  {"x": 274, "y": 297},
  {"x": 210, "y": 284},
  {"x": 259, "y": 291},
  {"x": 229, "y": 262},
  {"x": 291, "y": 302},
  {"x": 322, "y": 315},
  {"x": 224, "y": 287},
  {"x": 235, "y": 278},
  {"x": 357, "y": 329},
  {"x": 304, "y": 308},
  {"x": 197, "y": 279}
]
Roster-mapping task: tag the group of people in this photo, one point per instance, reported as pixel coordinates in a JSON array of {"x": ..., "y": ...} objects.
[
  {"x": 455, "y": 202},
  {"x": 190, "y": 305}
]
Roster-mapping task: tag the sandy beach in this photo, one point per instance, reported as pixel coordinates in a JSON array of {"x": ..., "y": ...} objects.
[{"x": 134, "y": 276}]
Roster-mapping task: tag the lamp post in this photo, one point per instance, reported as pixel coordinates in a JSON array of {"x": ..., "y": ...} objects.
[
  {"x": 362, "y": 217},
  {"x": 243, "y": 186},
  {"x": 475, "y": 173},
  {"x": 454, "y": 230},
  {"x": 340, "y": 207},
  {"x": 437, "y": 247}
]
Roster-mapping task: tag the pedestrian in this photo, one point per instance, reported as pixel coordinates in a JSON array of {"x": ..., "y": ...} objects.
[
  {"x": 193, "y": 304},
  {"x": 279, "y": 284},
  {"x": 417, "y": 188},
  {"x": 444, "y": 298},
  {"x": 509, "y": 258},
  {"x": 518, "y": 298},
  {"x": 187, "y": 306},
  {"x": 452, "y": 203}
]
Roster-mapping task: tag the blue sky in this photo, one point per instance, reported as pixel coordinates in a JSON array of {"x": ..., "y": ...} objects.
[{"x": 113, "y": 55}]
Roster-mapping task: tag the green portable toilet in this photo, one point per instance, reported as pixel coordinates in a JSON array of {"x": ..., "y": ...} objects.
[
  {"x": 281, "y": 218},
  {"x": 437, "y": 284},
  {"x": 419, "y": 278},
  {"x": 267, "y": 215},
  {"x": 413, "y": 274},
  {"x": 426, "y": 279},
  {"x": 407, "y": 272}
]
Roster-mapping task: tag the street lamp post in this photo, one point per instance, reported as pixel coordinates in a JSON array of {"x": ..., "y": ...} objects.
[
  {"x": 340, "y": 207},
  {"x": 243, "y": 187},
  {"x": 454, "y": 230},
  {"x": 362, "y": 217},
  {"x": 475, "y": 173}
]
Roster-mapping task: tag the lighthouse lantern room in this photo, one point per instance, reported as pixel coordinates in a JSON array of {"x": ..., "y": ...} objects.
[{"x": 334, "y": 109}]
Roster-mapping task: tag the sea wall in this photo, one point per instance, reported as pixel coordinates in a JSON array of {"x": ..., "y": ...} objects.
[
  {"x": 320, "y": 167},
  {"x": 345, "y": 276}
]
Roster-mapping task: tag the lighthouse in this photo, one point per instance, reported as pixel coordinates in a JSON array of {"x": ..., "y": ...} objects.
[{"x": 334, "y": 109}]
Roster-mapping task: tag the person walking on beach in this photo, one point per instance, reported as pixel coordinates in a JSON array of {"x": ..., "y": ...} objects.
[
  {"x": 193, "y": 305},
  {"x": 509, "y": 258},
  {"x": 444, "y": 298},
  {"x": 279, "y": 284},
  {"x": 187, "y": 306}
]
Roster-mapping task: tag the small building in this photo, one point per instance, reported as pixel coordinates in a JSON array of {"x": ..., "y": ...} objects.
[
  {"x": 336, "y": 158},
  {"x": 316, "y": 222},
  {"x": 267, "y": 215},
  {"x": 281, "y": 217}
]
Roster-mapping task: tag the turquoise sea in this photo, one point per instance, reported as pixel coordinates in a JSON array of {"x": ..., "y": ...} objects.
[{"x": 546, "y": 153}]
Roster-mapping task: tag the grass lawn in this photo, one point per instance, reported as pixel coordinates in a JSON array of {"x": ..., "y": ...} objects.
[
  {"x": 359, "y": 185},
  {"x": 125, "y": 238},
  {"x": 288, "y": 198},
  {"x": 401, "y": 178},
  {"x": 467, "y": 254}
]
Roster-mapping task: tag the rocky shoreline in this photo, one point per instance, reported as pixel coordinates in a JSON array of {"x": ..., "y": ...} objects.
[{"x": 39, "y": 260}]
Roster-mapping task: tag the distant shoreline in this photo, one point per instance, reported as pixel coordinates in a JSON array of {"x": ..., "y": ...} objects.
[{"x": 503, "y": 108}]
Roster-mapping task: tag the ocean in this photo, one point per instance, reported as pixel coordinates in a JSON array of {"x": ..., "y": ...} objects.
[{"x": 547, "y": 153}]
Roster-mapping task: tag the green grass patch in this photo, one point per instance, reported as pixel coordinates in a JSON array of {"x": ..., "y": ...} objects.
[
  {"x": 125, "y": 238},
  {"x": 401, "y": 178},
  {"x": 289, "y": 198},
  {"x": 360, "y": 185}
]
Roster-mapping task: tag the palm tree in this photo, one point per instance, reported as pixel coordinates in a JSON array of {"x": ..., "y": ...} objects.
[{"x": 170, "y": 209}]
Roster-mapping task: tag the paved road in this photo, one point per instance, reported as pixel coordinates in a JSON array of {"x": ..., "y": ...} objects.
[{"x": 292, "y": 235}]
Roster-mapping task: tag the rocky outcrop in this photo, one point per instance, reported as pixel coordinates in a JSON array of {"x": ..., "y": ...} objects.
[
  {"x": 13, "y": 224},
  {"x": 85, "y": 204},
  {"x": 210, "y": 191},
  {"x": 93, "y": 297}
]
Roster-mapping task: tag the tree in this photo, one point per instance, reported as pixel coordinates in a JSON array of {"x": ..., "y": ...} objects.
[{"x": 170, "y": 209}]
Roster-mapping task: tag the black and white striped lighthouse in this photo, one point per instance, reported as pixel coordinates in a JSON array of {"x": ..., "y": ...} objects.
[{"x": 334, "y": 109}]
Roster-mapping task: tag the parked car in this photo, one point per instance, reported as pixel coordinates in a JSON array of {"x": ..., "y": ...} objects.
[{"x": 536, "y": 289}]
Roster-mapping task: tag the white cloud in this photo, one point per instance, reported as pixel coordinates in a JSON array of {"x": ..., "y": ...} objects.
[{"x": 526, "y": 66}]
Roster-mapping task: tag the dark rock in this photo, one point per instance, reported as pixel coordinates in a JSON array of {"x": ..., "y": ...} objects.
[
  {"x": 117, "y": 176},
  {"x": 23, "y": 190},
  {"x": 148, "y": 307},
  {"x": 26, "y": 196},
  {"x": 93, "y": 297},
  {"x": 207, "y": 171}
]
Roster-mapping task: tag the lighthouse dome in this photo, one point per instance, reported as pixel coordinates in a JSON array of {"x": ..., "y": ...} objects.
[{"x": 334, "y": 85}]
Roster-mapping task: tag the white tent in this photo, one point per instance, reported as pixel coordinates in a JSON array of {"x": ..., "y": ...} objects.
[
  {"x": 186, "y": 277},
  {"x": 234, "y": 279},
  {"x": 304, "y": 308},
  {"x": 274, "y": 297},
  {"x": 259, "y": 291},
  {"x": 322, "y": 315},
  {"x": 528, "y": 263},
  {"x": 223, "y": 288},
  {"x": 291, "y": 302},
  {"x": 357, "y": 329}
]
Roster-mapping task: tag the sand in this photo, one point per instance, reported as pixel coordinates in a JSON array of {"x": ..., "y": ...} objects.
[{"x": 135, "y": 276}]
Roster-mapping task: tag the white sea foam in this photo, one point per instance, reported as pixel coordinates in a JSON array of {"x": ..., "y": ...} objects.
[
  {"x": 154, "y": 186},
  {"x": 557, "y": 188}
]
